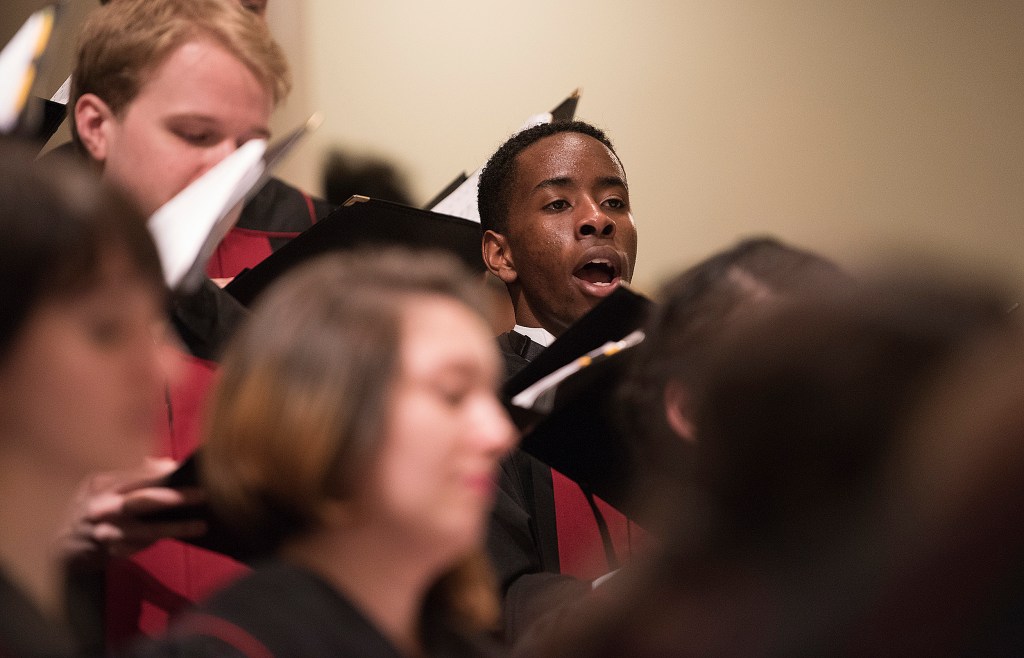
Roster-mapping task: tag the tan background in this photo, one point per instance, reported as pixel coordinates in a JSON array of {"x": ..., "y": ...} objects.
[{"x": 862, "y": 129}]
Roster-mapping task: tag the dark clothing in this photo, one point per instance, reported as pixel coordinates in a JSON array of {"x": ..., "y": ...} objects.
[
  {"x": 522, "y": 542},
  {"x": 517, "y": 351},
  {"x": 283, "y": 610},
  {"x": 24, "y": 631},
  {"x": 548, "y": 538},
  {"x": 206, "y": 319},
  {"x": 522, "y": 538}
]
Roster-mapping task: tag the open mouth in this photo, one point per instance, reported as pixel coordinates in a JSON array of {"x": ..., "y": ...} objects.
[{"x": 599, "y": 272}]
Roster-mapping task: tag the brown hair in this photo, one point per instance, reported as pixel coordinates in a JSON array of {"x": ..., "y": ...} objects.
[
  {"x": 298, "y": 415},
  {"x": 59, "y": 224},
  {"x": 123, "y": 42}
]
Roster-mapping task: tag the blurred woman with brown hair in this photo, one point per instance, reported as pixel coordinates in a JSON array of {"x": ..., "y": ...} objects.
[{"x": 356, "y": 431}]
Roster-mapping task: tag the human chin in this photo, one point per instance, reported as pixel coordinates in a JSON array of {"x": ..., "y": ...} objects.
[
  {"x": 470, "y": 505},
  {"x": 467, "y": 531}
]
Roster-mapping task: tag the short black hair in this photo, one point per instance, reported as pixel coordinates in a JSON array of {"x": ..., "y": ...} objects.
[{"x": 495, "y": 190}]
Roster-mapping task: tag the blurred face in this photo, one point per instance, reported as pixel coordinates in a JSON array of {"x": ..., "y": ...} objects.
[
  {"x": 82, "y": 388},
  {"x": 571, "y": 236},
  {"x": 434, "y": 482},
  {"x": 198, "y": 106}
]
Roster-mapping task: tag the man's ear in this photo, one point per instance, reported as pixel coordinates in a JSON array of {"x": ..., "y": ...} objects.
[
  {"x": 678, "y": 411},
  {"x": 93, "y": 121},
  {"x": 498, "y": 258}
]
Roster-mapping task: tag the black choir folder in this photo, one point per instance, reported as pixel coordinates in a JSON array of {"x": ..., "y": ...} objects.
[
  {"x": 362, "y": 221},
  {"x": 572, "y": 424}
]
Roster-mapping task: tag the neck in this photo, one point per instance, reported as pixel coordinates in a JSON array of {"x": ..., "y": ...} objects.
[
  {"x": 385, "y": 580},
  {"x": 33, "y": 503},
  {"x": 526, "y": 317}
]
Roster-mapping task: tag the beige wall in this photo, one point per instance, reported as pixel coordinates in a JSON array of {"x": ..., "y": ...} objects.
[
  {"x": 854, "y": 128},
  {"x": 857, "y": 129}
]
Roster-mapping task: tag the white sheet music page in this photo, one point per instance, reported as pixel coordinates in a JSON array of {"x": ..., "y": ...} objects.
[{"x": 187, "y": 228}]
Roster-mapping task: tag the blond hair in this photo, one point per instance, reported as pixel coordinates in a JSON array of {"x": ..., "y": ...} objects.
[{"x": 122, "y": 43}]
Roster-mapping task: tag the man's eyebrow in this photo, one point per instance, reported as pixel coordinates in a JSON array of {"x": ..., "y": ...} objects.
[
  {"x": 612, "y": 181},
  {"x": 197, "y": 117},
  {"x": 566, "y": 181},
  {"x": 560, "y": 181},
  {"x": 261, "y": 132}
]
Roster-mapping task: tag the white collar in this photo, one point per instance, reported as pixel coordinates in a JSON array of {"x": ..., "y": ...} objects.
[{"x": 536, "y": 334}]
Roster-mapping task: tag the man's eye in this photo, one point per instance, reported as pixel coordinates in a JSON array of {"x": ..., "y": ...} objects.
[
  {"x": 560, "y": 204},
  {"x": 197, "y": 137},
  {"x": 615, "y": 203}
]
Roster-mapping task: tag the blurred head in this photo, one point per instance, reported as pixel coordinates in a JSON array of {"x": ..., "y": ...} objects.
[
  {"x": 345, "y": 174},
  {"x": 797, "y": 408},
  {"x": 558, "y": 228},
  {"x": 945, "y": 537},
  {"x": 696, "y": 306},
  {"x": 82, "y": 293},
  {"x": 362, "y": 391},
  {"x": 164, "y": 89},
  {"x": 799, "y": 536}
]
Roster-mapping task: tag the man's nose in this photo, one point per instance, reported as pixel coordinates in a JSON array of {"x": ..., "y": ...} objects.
[{"x": 594, "y": 221}]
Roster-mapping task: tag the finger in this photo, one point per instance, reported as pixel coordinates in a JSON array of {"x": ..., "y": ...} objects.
[
  {"x": 102, "y": 505},
  {"x": 152, "y": 472},
  {"x": 156, "y": 499}
]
